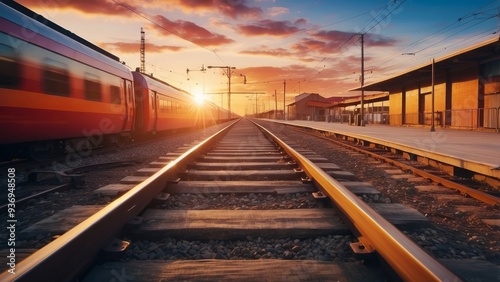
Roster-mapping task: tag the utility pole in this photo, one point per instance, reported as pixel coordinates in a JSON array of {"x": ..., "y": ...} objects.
[
  {"x": 284, "y": 96},
  {"x": 227, "y": 69},
  {"x": 143, "y": 51},
  {"x": 256, "y": 104},
  {"x": 432, "y": 97},
  {"x": 275, "y": 105}
]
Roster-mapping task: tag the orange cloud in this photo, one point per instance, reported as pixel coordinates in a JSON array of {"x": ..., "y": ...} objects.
[
  {"x": 229, "y": 8},
  {"x": 334, "y": 37},
  {"x": 189, "y": 31},
  {"x": 87, "y": 6},
  {"x": 264, "y": 50},
  {"x": 337, "y": 38},
  {"x": 127, "y": 47},
  {"x": 269, "y": 27},
  {"x": 307, "y": 45}
]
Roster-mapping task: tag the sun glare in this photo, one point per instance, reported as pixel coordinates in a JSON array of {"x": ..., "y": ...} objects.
[{"x": 198, "y": 96}]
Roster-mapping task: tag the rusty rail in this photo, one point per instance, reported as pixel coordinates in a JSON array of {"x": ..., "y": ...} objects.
[
  {"x": 68, "y": 256},
  {"x": 408, "y": 260}
]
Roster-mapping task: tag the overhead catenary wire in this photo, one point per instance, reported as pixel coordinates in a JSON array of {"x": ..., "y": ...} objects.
[
  {"x": 342, "y": 46},
  {"x": 376, "y": 20},
  {"x": 128, "y": 7},
  {"x": 462, "y": 23}
]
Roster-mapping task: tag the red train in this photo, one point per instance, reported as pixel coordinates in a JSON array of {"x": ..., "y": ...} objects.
[{"x": 58, "y": 90}]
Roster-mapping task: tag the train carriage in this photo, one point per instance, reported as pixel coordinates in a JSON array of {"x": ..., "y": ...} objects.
[
  {"x": 162, "y": 107},
  {"x": 60, "y": 92},
  {"x": 55, "y": 88}
]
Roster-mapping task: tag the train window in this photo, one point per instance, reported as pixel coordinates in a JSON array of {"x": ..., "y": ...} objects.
[
  {"x": 153, "y": 100},
  {"x": 161, "y": 105},
  {"x": 55, "y": 79},
  {"x": 92, "y": 87},
  {"x": 129, "y": 92},
  {"x": 115, "y": 94},
  {"x": 10, "y": 69}
]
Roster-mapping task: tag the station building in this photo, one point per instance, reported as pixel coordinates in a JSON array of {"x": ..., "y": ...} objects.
[
  {"x": 461, "y": 90},
  {"x": 308, "y": 106}
]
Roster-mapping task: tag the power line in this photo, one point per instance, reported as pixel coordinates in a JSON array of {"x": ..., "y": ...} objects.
[
  {"x": 463, "y": 23},
  {"x": 367, "y": 28},
  {"x": 158, "y": 25}
]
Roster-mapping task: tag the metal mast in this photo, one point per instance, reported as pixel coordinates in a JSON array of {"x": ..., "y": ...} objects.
[
  {"x": 362, "y": 112},
  {"x": 143, "y": 51}
]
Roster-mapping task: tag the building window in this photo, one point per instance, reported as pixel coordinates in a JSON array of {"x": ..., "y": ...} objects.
[
  {"x": 55, "y": 79},
  {"x": 92, "y": 88},
  {"x": 490, "y": 77},
  {"x": 490, "y": 69}
]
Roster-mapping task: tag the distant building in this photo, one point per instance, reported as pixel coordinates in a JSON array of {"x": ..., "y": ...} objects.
[
  {"x": 347, "y": 110},
  {"x": 461, "y": 90},
  {"x": 308, "y": 106}
]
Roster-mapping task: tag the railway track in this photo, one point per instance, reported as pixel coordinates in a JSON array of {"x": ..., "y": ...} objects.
[
  {"x": 238, "y": 161},
  {"x": 409, "y": 162},
  {"x": 38, "y": 178}
]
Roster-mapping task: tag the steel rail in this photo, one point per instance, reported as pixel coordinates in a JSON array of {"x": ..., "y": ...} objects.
[
  {"x": 65, "y": 258},
  {"x": 408, "y": 260},
  {"x": 471, "y": 192}
]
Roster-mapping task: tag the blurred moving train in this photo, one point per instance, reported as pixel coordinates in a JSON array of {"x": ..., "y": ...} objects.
[{"x": 59, "y": 91}]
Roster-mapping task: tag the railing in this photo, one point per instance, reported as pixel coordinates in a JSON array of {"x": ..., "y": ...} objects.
[{"x": 488, "y": 118}]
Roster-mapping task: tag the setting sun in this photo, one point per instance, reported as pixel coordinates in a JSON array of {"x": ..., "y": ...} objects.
[
  {"x": 285, "y": 47},
  {"x": 198, "y": 96}
]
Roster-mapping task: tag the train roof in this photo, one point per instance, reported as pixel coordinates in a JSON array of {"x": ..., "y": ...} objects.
[
  {"x": 42, "y": 20},
  {"x": 159, "y": 83}
]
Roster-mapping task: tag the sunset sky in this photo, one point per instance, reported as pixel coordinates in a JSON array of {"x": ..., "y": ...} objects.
[{"x": 314, "y": 45}]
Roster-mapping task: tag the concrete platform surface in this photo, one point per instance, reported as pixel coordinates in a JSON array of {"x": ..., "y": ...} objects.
[{"x": 473, "y": 150}]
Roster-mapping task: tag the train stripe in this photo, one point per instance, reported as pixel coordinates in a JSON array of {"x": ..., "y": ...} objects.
[{"x": 31, "y": 100}]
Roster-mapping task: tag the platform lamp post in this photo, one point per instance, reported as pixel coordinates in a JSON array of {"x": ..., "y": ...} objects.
[
  {"x": 362, "y": 112},
  {"x": 228, "y": 73},
  {"x": 432, "y": 97},
  {"x": 433, "y": 128},
  {"x": 284, "y": 98}
]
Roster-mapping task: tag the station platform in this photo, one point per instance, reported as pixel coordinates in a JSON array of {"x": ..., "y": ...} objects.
[{"x": 472, "y": 150}]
